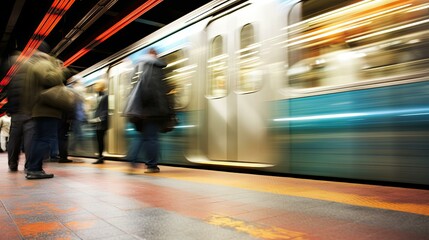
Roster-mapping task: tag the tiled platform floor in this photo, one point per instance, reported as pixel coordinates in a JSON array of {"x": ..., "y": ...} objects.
[{"x": 86, "y": 201}]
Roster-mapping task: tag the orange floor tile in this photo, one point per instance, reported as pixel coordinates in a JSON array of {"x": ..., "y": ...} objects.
[{"x": 86, "y": 201}]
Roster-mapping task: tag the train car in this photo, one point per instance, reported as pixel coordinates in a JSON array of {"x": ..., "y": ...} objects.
[{"x": 333, "y": 88}]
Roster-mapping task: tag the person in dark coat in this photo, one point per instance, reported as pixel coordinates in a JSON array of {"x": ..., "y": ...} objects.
[
  {"x": 19, "y": 107},
  {"x": 46, "y": 72},
  {"x": 100, "y": 119},
  {"x": 148, "y": 109}
]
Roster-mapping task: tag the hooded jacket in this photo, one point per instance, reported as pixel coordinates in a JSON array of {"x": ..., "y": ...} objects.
[
  {"x": 149, "y": 98},
  {"x": 42, "y": 74}
]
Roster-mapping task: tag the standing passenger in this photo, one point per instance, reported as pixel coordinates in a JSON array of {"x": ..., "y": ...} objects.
[
  {"x": 64, "y": 126},
  {"x": 149, "y": 108},
  {"x": 79, "y": 117},
  {"x": 19, "y": 107},
  {"x": 100, "y": 119},
  {"x": 45, "y": 73}
]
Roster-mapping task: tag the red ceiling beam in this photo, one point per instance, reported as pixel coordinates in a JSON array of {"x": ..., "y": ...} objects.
[
  {"x": 49, "y": 21},
  {"x": 113, "y": 29}
]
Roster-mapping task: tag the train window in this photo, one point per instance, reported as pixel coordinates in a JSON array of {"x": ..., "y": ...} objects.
[
  {"x": 217, "y": 65},
  {"x": 250, "y": 78},
  {"x": 178, "y": 75},
  {"x": 122, "y": 91},
  {"x": 364, "y": 40}
]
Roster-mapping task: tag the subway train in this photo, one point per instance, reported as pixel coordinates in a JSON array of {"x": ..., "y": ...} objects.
[{"x": 333, "y": 88}]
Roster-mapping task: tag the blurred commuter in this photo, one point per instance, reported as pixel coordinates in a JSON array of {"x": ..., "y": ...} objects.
[
  {"x": 100, "y": 119},
  {"x": 19, "y": 107},
  {"x": 4, "y": 132},
  {"x": 148, "y": 108},
  {"x": 64, "y": 126},
  {"x": 45, "y": 73},
  {"x": 79, "y": 118}
]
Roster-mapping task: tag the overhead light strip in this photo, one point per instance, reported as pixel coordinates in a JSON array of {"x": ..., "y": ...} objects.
[
  {"x": 94, "y": 14},
  {"x": 128, "y": 19},
  {"x": 114, "y": 29},
  {"x": 79, "y": 54},
  {"x": 49, "y": 21}
]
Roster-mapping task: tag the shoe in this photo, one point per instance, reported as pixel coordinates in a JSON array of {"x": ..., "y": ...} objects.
[
  {"x": 99, "y": 161},
  {"x": 152, "y": 170},
  {"x": 13, "y": 169},
  {"x": 65, "y": 161},
  {"x": 38, "y": 175}
]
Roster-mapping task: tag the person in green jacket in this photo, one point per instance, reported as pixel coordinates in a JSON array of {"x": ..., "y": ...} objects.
[{"x": 43, "y": 73}]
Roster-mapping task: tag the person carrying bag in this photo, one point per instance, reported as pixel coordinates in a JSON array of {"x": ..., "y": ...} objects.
[
  {"x": 149, "y": 109},
  {"x": 60, "y": 97}
]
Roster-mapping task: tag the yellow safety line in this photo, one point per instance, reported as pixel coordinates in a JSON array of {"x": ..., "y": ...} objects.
[
  {"x": 315, "y": 193},
  {"x": 291, "y": 190},
  {"x": 257, "y": 231}
]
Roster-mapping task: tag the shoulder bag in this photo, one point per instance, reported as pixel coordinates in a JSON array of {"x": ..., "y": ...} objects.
[{"x": 59, "y": 97}]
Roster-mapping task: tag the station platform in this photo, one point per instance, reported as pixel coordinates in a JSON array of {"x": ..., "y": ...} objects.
[{"x": 87, "y": 201}]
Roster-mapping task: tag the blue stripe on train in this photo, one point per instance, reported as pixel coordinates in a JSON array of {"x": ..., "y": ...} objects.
[{"x": 380, "y": 133}]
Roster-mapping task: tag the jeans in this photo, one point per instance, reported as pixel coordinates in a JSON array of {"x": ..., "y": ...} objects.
[
  {"x": 63, "y": 139},
  {"x": 21, "y": 134},
  {"x": 148, "y": 139},
  {"x": 46, "y": 131},
  {"x": 54, "y": 149}
]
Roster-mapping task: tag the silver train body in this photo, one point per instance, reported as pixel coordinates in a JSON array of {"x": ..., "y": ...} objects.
[{"x": 319, "y": 88}]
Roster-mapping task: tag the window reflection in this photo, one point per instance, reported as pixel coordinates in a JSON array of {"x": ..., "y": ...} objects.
[
  {"x": 363, "y": 41},
  {"x": 178, "y": 75},
  {"x": 250, "y": 77},
  {"x": 123, "y": 91},
  {"x": 217, "y": 69}
]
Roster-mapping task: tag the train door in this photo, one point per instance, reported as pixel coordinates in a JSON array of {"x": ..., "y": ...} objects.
[
  {"x": 118, "y": 77},
  {"x": 235, "y": 103}
]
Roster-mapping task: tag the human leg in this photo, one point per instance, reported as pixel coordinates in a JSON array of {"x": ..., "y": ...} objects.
[
  {"x": 76, "y": 126},
  {"x": 3, "y": 143},
  {"x": 53, "y": 152},
  {"x": 29, "y": 127},
  {"x": 7, "y": 142},
  {"x": 63, "y": 142},
  {"x": 45, "y": 132},
  {"x": 14, "y": 150},
  {"x": 150, "y": 138},
  {"x": 135, "y": 148},
  {"x": 100, "y": 142}
]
